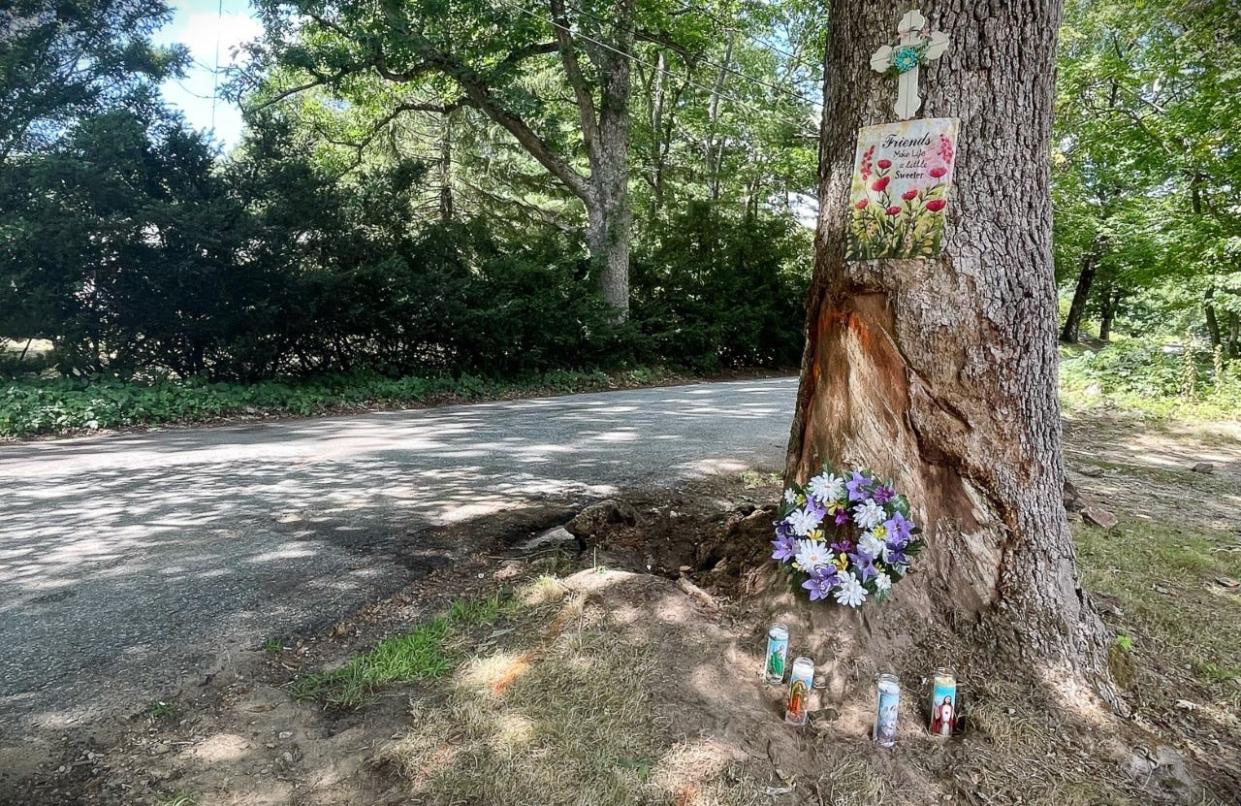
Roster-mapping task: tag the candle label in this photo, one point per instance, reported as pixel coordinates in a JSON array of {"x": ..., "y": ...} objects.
[
  {"x": 944, "y": 705},
  {"x": 801, "y": 679},
  {"x": 886, "y": 711},
  {"x": 777, "y": 653}
]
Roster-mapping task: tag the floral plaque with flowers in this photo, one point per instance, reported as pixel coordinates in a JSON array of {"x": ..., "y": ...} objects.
[
  {"x": 901, "y": 176},
  {"x": 850, "y": 536}
]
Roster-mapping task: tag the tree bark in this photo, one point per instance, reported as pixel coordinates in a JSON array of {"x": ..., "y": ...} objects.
[
  {"x": 1111, "y": 301},
  {"x": 1108, "y": 317},
  {"x": 445, "y": 200},
  {"x": 1081, "y": 295},
  {"x": 941, "y": 373},
  {"x": 1208, "y": 309},
  {"x": 605, "y": 133}
]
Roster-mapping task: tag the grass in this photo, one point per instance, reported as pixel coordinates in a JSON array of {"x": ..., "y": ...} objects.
[
  {"x": 161, "y": 710},
  {"x": 424, "y": 653},
  {"x": 579, "y": 720},
  {"x": 177, "y": 799},
  {"x": 30, "y": 407},
  {"x": 1188, "y": 621}
]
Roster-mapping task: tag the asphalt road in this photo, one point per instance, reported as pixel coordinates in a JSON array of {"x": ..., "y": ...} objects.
[{"x": 128, "y": 561}]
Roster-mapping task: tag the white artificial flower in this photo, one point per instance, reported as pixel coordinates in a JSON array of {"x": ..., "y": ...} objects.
[
  {"x": 790, "y": 496},
  {"x": 871, "y": 545},
  {"x": 812, "y": 554},
  {"x": 850, "y": 592},
  {"x": 868, "y": 514},
  {"x": 827, "y": 488},
  {"x": 883, "y": 582},
  {"x": 805, "y": 520}
]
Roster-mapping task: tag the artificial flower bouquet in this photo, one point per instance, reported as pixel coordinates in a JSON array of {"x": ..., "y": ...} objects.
[{"x": 851, "y": 537}]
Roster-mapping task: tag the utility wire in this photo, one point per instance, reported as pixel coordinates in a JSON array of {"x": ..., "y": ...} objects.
[
  {"x": 636, "y": 60},
  {"x": 745, "y": 76},
  {"x": 724, "y": 24},
  {"x": 215, "y": 74}
]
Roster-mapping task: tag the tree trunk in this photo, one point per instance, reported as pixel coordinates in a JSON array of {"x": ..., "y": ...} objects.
[
  {"x": 715, "y": 145},
  {"x": 1111, "y": 301},
  {"x": 445, "y": 203},
  {"x": 1208, "y": 308},
  {"x": 941, "y": 373},
  {"x": 607, "y": 237},
  {"x": 1081, "y": 295},
  {"x": 606, "y": 137}
]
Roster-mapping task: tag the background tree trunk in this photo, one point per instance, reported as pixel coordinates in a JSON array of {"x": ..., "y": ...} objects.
[
  {"x": 941, "y": 374},
  {"x": 1107, "y": 317},
  {"x": 1208, "y": 309},
  {"x": 1081, "y": 295}
]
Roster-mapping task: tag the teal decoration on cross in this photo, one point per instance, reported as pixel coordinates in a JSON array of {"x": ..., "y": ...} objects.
[{"x": 906, "y": 58}]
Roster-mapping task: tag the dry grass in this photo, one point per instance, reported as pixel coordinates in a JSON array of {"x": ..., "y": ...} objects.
[{"x": 572, "y": 722}]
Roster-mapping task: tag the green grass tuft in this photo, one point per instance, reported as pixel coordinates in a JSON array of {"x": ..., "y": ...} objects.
[
  {"x": 425, "y": 653},
  {"x": 161, "y": 710}
]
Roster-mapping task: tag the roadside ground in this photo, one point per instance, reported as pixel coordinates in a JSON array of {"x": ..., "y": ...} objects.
[{"x": 535, "y": 673}]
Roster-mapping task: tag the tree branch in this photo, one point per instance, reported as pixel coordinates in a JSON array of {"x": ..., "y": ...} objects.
[
  {"x": 573, "y": 71},
  {"x": 479, "y": 95}
]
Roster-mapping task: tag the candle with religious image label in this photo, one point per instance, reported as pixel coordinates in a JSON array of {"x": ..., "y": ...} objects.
[
  {"x": 943, "y": 702},
  {"x": 777, "y": 653},
  {"x": 801, "y": 680},
  {"x": 887, "y": 707}
]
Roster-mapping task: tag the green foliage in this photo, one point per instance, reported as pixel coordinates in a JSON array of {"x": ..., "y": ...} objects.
[
  {"x": 1151, "y": 378},
  {"x": 73, "y": 58},
  {"x": 1146, "y": 179},
  {"x": 424, "y": 653},
  {"x": 161, "y": 710},
  {"x": 723, "y": 291},
  {"x": 30, "y": 407}
]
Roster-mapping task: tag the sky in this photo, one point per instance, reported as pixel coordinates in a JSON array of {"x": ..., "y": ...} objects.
[{"x": 198, "y": 25}]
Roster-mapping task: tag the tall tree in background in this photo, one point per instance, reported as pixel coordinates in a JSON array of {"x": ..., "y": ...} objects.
[
  {"x": 488, "y": 56},
  {"x": 1147, "y": 182},
  {"x": 941, "y": 373},
  {"x": 62, "y": 60}
]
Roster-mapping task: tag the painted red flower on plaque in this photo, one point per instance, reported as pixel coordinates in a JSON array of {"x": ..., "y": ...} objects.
[
  {"x": 885, "y": 164},
  {"x": 938, "y": 172},
  {"x": 861, "y": 204},
  {"x": 865, "y": 169},
  {"x": 894, "y": 211},
  {"x": 945, "y": 149},
  {"x": 881, "y": 183},
  {"x": 935, "y": 205},
  {"x": 910, "y": 195}
]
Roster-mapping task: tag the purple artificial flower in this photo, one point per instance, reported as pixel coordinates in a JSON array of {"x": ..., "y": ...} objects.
[
  {"x": 821, "y": 582},
  {"x": 842, "y": 516},
  {"x": 783, "y": 529},
  {"x": 844, "y": 545},
  {"x": 884, "y": 494},
  {"x": 894, "y": 553},
  {"x": 863, "y": 564},
  {"x": 898, "y": 528},
  {"x": 785, "y": 546},
  {"x": 856, "y": 487},
  {"x": 816, "y": 508}
]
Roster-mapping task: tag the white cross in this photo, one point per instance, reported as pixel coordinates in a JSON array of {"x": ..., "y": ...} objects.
[{"x": 913, "y": 34}]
